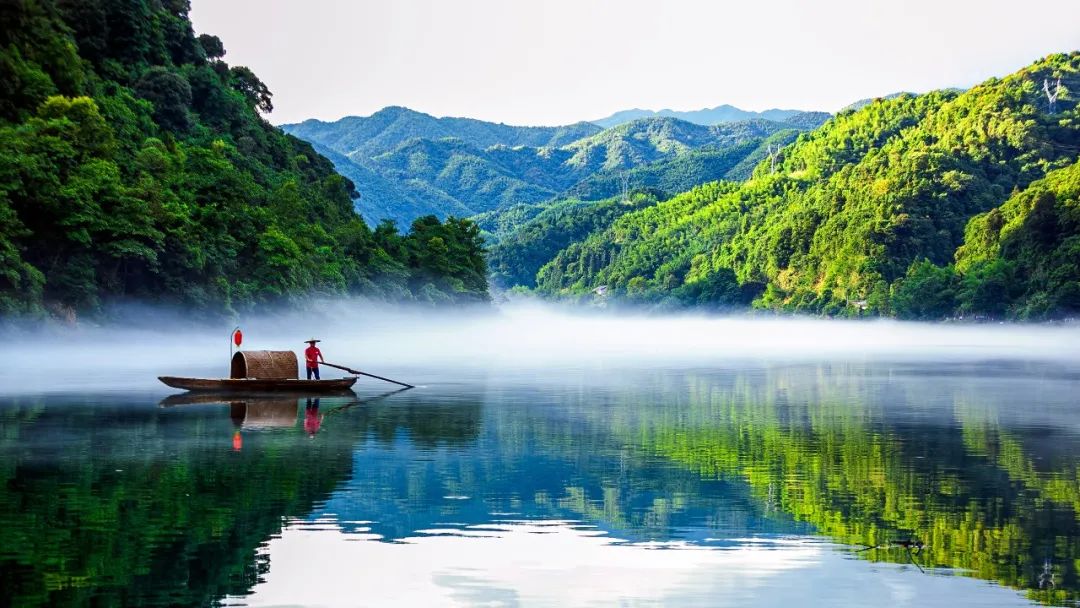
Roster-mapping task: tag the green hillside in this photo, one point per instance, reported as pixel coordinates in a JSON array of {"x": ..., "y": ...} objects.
[
  {"x": 849, "y": 208},
  {"x": 134, "y": 162},
  {"x": 1018, "y": 260},
  {"x": 670, "y": 177},
  {"x": 472, "y": 179},
  {"x": 806, "y": 120},
  {"x": 533, "y": 239},
  {"x": 649, "y": 140},
  {"x": 1036, "y": 235},
  {"x": 528, "y": 236},
  {"x": 383, "y": 196}
]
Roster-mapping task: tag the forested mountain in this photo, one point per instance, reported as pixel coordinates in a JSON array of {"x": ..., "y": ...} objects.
[
  {"x": 1022, "y": 258},
  {"x": 707, "y": 116},
  {"x": 527, "y": 236},
  {"x": 134, "y": 163},
  {"x": 406, "y": 163},
  {"x": 384, "y": 194},
  {"x": 474, "y": 180},
  {"x": 731, "y": 162},
  {"x": 654, "y": 139},
  {"x": 871, "y": 210}
]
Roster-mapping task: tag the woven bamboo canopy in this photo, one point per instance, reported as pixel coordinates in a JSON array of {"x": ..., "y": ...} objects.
[{"x": 265, "y": 364}]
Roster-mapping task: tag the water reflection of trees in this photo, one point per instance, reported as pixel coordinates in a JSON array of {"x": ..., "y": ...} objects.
[
  {"x": 123, "y": 504},
  {"x": 874, "y": 463}
]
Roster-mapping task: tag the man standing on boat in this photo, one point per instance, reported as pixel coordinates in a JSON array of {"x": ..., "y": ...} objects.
[{"x": 312, "y": 356}]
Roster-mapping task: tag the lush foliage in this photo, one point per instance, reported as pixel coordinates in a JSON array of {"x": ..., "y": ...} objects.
[
  {"x": 610, "y": 258},
  {"x": 516, "y": 260},
  {"x": 926, "y": 292},
  {"x": 134, "y": 162},
  {"x": 1019, "y": 259},
  {"x": 836, "y": 223},
  {"x": 1033, "y": 240}
]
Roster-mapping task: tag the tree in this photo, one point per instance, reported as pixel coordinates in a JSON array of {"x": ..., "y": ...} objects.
[
  {"x": 926, "y": 292},
  {"x": 245, "y": 81},
  {"x": 718, "y": 289},
  {"x": 171, "y": 95},
  {"x": 988, "y": 288},
  {"x": 212, "y": 46}
]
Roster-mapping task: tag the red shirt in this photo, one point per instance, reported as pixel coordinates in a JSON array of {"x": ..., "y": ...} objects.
[{"x": 312, "y": 355}]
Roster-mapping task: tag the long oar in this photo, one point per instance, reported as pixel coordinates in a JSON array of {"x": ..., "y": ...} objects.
[{"x": 358, "y": 372}]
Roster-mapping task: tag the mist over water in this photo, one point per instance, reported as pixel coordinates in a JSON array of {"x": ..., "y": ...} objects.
[{"x": 528, "y": 339}]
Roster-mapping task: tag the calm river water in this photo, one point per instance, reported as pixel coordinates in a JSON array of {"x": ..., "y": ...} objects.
[{"x": 810, "y": 483}]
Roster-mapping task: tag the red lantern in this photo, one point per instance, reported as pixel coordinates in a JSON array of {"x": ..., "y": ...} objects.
[{"x": 237, "y": 337}]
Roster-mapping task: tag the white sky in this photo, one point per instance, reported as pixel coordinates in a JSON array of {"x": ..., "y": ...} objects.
[{"x": 559, "y": 61}]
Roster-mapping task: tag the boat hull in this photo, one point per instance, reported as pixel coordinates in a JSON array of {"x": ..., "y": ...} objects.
[{"x": 259, "y": 385}]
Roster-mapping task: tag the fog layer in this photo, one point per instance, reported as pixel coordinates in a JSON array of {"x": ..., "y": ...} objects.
[{"x": 523, "y": 337}]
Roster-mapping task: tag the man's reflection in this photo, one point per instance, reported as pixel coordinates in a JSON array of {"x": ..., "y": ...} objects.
[{"x": 312, "y": 417}]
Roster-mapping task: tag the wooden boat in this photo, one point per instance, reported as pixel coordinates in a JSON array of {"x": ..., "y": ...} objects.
[
  {"x": 262, "y": 371},
  {"x": 260, "y": 385}
]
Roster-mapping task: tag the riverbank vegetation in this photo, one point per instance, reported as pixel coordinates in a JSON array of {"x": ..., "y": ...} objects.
[{"x": 135, "y": 163}]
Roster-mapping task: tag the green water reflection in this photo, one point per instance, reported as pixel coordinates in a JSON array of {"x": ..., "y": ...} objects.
[
  {"x": 115, "y": 500},
  {"x": 886, "y": 464}
]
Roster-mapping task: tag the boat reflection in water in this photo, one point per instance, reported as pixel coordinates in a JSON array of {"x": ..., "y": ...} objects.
[
  {"x": 264, "y": 413},
  {"x": 269, "y": 411}
]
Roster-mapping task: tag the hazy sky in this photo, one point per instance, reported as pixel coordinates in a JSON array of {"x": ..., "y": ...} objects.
[{"x": 559, "y": 61}]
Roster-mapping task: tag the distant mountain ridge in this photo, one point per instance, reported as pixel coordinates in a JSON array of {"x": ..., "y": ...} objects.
[
  {"x": 395, "y": 125},
  {"x": 406, "y": 164},
  {"x": 706, "y": 116}
]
